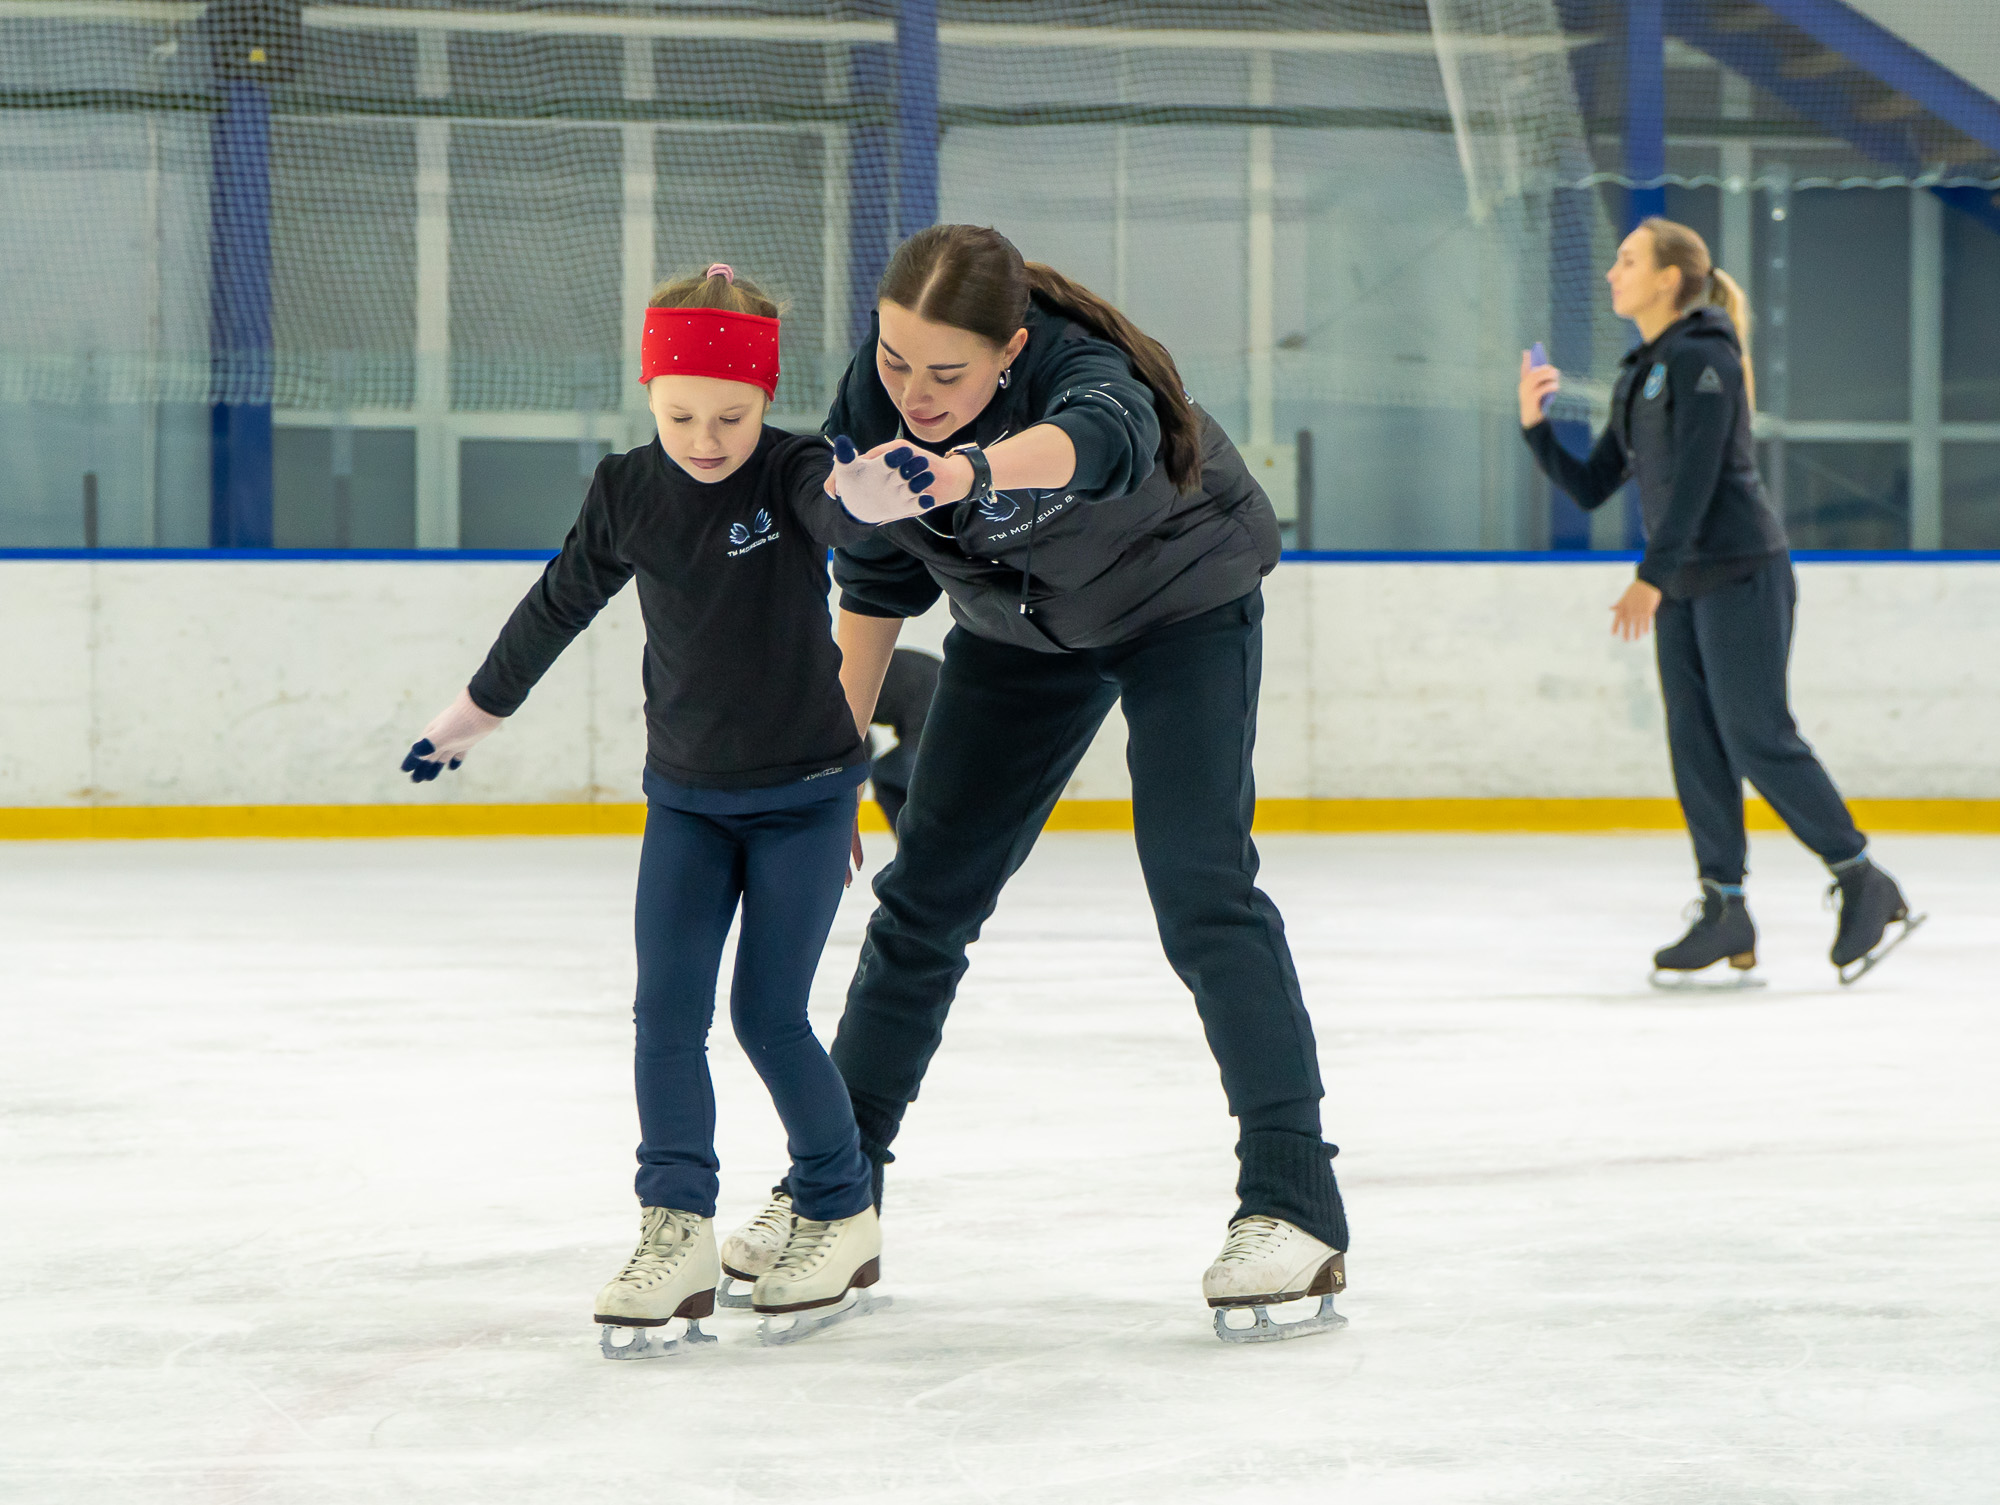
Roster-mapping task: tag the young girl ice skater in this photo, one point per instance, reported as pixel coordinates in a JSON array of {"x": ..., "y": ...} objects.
[
  {"x": 753, "y": 760},
  {"x": 1717, "y": 577}
]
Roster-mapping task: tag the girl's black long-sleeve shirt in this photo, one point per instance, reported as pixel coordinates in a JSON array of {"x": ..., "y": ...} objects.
[
  {"x": 742, "y": 675},
  {"x": 1680, "y": 427}
]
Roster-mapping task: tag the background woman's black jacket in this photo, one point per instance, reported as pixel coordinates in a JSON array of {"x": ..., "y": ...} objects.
[
  {"x": 1680, "y": 427},
  {"x": 1115, "y": 553}
]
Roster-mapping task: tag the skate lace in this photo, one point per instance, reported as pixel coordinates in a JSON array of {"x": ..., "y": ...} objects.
[
  {"x": 772, "y": 1224},
  {"x": 665, "y": 1237},
  {"x": 1249, "y": 1239},
  {"x": 809, "y": 1244}
]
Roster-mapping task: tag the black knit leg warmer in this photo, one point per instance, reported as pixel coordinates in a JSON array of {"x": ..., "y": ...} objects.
[{"x": 1290, "y": 1176}]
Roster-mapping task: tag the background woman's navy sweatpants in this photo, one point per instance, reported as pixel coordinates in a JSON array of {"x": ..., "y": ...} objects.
[
  {"x": 787, "y": 868},
  {"x": 1723, "y": 656}
]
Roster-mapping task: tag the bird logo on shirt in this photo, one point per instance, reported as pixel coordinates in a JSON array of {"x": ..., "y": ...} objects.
[
  {"x": 740, "y": 534},
  {"x": 998, "y": 507}
]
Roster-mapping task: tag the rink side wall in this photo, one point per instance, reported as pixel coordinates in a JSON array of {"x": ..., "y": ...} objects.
[{"x": 275, "y": 696}]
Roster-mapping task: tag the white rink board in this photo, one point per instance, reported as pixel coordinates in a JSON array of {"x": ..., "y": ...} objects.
[
  {"x": 317, "y": 1152},
  {"x": 184, "y": 682}
]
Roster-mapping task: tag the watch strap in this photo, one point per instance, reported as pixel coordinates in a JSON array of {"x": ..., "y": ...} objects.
[{"x": 982, "y": 473}]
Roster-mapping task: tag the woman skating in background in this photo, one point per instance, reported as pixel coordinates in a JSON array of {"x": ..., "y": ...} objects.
[
  {"x": 754, "y": 757},
  {"x": 1717, "y": 580}
]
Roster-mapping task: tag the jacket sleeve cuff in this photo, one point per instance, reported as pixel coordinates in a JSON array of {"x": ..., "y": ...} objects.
[
  {"x": 482, "y": 696},
  {"x": 1086, "y": 432},
  {"x": 1654, "y": 574}
]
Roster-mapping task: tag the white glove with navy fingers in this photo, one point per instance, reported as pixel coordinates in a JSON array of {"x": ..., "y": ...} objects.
[
  {"x": 885, "y": 485},
  {"x": 450, "y": 736}
]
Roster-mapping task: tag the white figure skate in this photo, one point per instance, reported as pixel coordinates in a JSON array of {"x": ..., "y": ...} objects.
[
  {"x": 822, "y": 1278},
  {"x": 753, "y": 1249},
  {"x": 670, "y": 1277},
  {"x": 1264, "y": 1263}
]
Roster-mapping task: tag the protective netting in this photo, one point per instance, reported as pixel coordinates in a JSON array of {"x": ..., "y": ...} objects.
[
  {"x": 457, "y": 194},
  {"x": 458, "y": 207}
]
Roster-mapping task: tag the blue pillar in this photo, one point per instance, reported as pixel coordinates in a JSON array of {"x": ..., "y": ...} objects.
[
  {"x": 241, "y": 354},
  {"x": 916, "y": 116},
  {"x": 1645, "y": 107},
  {"x": 870, "y": 182},
  {"x": 1574, "y": 289}
]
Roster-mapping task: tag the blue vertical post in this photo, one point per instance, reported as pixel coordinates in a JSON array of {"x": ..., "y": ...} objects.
[
  {"x": 1574, "y": 288},
  {"x": 870, "y": 182},
  {"x": 241, "y": 351},
  {"x": 916, "y": 116},
  {"x": 1645, "y": 152},
  {"x": 1645, "y": 108}
]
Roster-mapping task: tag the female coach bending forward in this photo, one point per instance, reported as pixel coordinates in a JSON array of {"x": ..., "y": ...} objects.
[{"x": 1101, "y": 541}]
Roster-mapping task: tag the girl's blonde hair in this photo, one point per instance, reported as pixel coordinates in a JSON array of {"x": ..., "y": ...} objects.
[
  {"x": 716, "y": 288},
  {"x": 1702, "y": 281}
]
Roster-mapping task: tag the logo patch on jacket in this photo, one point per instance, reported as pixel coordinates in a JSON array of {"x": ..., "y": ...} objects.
[
  {"x": 739, "y": 534},
  {"x": 1656, "y": 380},
  {"x": 998, "y": 507},
  {"x": 1711, "y": 381}
]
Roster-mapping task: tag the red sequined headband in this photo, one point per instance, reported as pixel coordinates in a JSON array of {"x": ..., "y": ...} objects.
[{"x": 710, "y": 342}]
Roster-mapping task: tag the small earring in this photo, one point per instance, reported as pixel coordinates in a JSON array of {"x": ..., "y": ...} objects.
[{"x": 1005, "y": 373}]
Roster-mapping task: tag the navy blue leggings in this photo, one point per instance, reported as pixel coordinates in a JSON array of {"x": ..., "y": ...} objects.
[{"x": 787, "y": 868}]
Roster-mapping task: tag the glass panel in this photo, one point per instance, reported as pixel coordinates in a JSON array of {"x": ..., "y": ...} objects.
[
  {"x": 344, "y": 263},
  {"x": 537, "y": 220},
  {"x": 522, "y": 493},
  {"x": 373, "y": 506},
  {"x": 1847, "y": 322},
  {"x": 1971, "y": 320},
  {"x": 1847, "y": 496},
  {"x": 1972, "y": 496}
]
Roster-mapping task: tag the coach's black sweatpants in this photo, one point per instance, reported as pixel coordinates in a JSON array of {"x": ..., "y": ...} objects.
[
  {"x": 1004, "y": 735},
  {"x": 1723, "y": 656}
]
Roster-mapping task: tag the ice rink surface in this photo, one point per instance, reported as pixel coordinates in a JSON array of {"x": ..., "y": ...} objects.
[{"x": 315, "y": 1155}]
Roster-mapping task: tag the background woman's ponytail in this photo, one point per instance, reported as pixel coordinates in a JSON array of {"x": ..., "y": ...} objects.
[
  {"x": 1702, "y": 281},
  {"x": 1725, "y": 293},
  {"x": 972, "y": 278}
]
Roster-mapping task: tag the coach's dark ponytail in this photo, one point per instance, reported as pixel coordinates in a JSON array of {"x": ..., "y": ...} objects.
[{"x": 972, "y": 278}]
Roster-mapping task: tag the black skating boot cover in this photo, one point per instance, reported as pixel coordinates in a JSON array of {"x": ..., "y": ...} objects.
[
  {"x": 1870, "y": 902},
  {"x": 1287, "y": 1176},
  {"x": 1723, "y": 929}
]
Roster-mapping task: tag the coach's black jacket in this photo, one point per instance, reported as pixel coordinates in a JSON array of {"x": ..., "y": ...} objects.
[
  {"x": 1114, "y": 554},
  {"x": 1680, "y": 427}
]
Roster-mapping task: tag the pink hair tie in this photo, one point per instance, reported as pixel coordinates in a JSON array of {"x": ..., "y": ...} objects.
[{"x": 724, "y": 270}]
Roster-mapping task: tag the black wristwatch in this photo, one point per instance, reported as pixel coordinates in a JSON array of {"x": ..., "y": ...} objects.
[{"x": 982, "y": 473}]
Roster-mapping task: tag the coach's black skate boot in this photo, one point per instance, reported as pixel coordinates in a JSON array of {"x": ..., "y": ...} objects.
[
  {"x": 1722, "y": 931},
  {"x": 1869, "y": 903}
]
